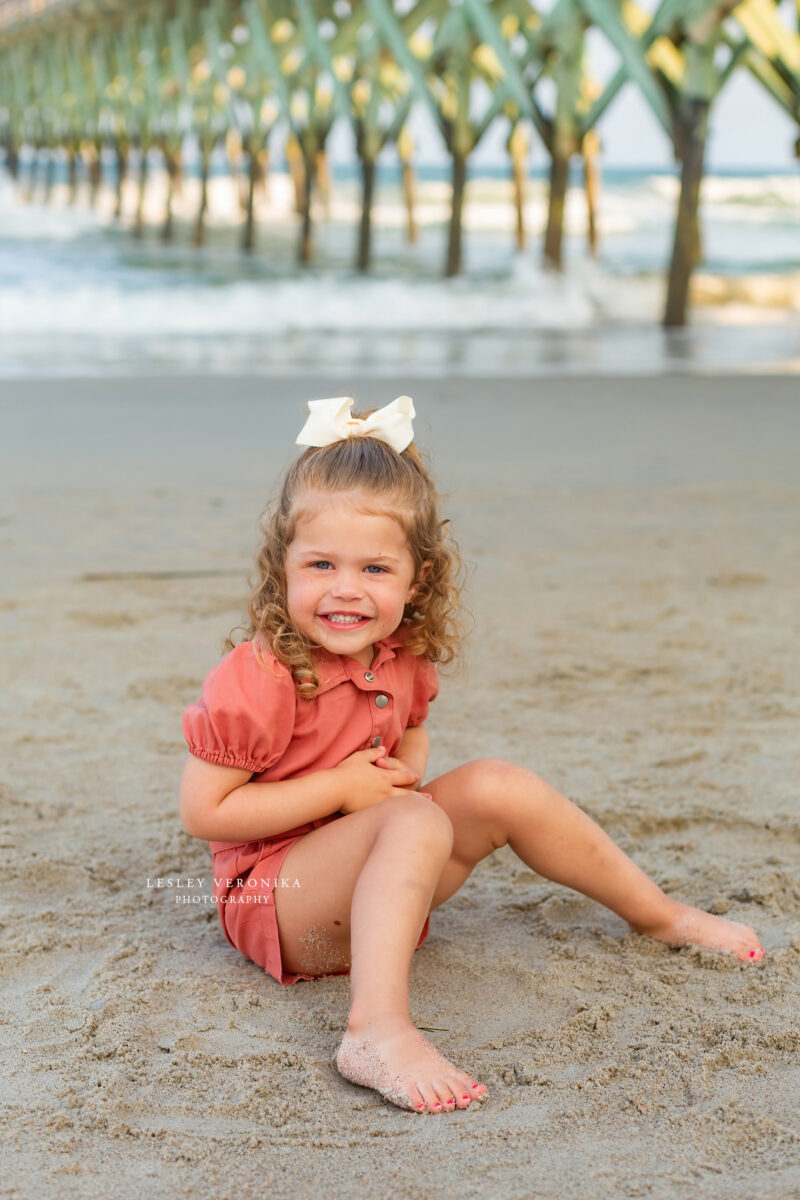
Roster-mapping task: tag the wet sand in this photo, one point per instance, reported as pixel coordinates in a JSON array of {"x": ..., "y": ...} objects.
[{"x": 635, "y": 583}]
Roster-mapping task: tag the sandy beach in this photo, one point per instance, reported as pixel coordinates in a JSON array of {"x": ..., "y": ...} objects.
[{"x": 636, "y": 569}]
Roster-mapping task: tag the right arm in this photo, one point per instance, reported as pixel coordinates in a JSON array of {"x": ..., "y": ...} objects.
[{"x": 218, "y": 803}]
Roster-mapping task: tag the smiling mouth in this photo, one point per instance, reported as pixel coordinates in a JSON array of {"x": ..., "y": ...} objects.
[{"x": 343, "y": 620}]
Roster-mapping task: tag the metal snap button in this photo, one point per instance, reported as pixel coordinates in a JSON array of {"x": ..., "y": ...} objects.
[
  {"x": 376, "y": 741},
  {"x": 370, "y": 678},
  {"x": 381, "y": 701}
]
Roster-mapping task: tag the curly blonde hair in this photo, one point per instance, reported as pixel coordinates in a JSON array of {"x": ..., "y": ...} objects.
[{"x": 398, "y": 485}]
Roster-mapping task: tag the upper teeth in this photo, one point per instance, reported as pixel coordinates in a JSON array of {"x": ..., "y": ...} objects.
[{"x": 345, "y": 619}]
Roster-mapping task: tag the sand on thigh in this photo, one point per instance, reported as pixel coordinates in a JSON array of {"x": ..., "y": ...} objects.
[{"x": 314, "y": 918}]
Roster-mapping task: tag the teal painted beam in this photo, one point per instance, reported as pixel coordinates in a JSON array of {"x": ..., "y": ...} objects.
[
  {"x": 484, "y": 23},
  {"x": 605, "y": 15},
  {"x": 392, "y": 34}
]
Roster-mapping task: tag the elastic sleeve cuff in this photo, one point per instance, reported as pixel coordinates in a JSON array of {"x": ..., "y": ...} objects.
[{"x": 219, "y": 759}]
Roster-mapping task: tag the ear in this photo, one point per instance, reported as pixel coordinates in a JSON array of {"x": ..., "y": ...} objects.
[{"x": 422, "y": 573}]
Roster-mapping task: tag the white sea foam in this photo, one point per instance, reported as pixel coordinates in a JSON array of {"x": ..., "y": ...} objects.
[{"x": 526, "y": 298}]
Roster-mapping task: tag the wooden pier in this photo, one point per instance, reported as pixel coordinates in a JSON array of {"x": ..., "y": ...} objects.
[{"x": 82, "y": 76}]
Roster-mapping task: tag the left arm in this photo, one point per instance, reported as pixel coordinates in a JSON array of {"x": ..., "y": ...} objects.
[{"x": 412, "y": 753}]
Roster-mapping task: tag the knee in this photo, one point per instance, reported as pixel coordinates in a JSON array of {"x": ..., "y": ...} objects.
[
  {"x": 491, "y": 776},
  {"x": 493, "y": 783},
  {"x": 422, "y": 816}
]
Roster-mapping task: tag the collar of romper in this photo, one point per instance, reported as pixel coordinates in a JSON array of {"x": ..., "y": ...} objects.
[{"x": 335, "y": 669}]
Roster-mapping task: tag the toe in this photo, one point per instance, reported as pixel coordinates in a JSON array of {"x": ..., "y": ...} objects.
[
  {"x": 465, "y": 1085},
  {"x": 476, "y": 1090},
  {"x": 466, "y": 1090},
  {"x": 445, "y": 1093},
  {"x": 432, "y": 1102}
]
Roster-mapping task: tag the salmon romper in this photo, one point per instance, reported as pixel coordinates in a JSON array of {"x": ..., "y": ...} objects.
[{"x": 251, "y": 717}]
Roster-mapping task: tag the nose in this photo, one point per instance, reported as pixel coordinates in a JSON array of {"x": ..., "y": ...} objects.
[{"x": 348, "y": 585}]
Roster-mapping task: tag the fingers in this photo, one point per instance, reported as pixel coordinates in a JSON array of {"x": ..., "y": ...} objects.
[
  {"x": 402, "y": 777},
  {"x": 394, "y": 764}
]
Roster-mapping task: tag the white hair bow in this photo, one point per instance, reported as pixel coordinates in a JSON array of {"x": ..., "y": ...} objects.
[{"x": 330, "y": 421}]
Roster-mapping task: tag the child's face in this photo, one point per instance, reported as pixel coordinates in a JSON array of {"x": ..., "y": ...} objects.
[{"x": 349, "y": 576}]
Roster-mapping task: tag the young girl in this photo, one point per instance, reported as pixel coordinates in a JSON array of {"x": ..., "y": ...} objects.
[{"x": 308, "y": 752}]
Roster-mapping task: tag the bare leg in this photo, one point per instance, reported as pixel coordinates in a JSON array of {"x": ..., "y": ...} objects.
[
  {"x": 367, "y": 881},
  {"x": 492, "y": 803}
]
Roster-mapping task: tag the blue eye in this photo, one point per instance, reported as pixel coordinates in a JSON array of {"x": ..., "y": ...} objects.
[
  {"x": 323, "y": 562},
  {"x": 375, "y": 567}
]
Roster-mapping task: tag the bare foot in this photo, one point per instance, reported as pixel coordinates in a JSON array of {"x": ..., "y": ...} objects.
[
  {"x": 391, "y": 1056},
  {"x": 688, "y": 926}
]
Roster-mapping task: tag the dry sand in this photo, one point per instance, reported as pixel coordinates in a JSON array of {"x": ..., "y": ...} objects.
[{"x": 637, "y": 573}]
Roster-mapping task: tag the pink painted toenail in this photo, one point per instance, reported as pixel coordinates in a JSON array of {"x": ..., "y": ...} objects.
[
  {"x": 437, "y": 1105},
  {"x": 752, "y": 953},
  {"x": 475, "y": 1085},
  {"x": 465, "y": 1097},
  {"x": 420, "y": 1106}
]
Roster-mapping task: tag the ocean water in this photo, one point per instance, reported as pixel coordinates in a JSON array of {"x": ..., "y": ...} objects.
[{"x": 79, "y": 296}]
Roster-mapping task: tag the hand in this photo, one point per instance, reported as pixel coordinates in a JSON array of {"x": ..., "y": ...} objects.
[
  {"x": 396, "y": 764},
  {"x": 362, "y": 783},
  {"x": 406, "y": 791}
]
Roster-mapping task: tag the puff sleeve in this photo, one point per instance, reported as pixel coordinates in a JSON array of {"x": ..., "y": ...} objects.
[
  {"x": 246, "y": 716},
  {"x": 425, "y": 688}
]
